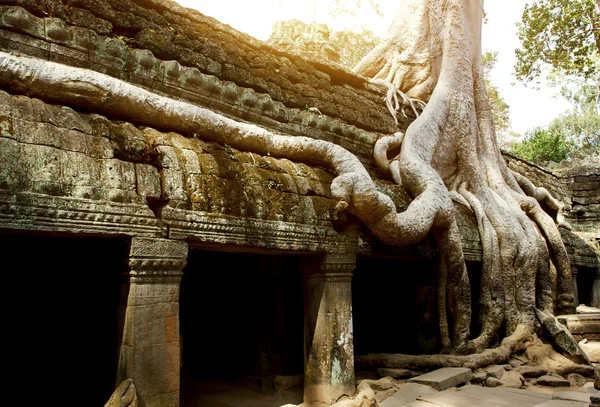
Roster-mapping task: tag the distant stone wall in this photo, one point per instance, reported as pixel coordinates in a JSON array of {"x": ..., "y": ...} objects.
[
  {"x": 310, "y": 41},
  {"x": 577, "y": 188}
]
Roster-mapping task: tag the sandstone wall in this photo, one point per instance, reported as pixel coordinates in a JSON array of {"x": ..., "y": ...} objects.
[
  {"x": 111, "y": 176},
  {"x": 577, "y": 188}
]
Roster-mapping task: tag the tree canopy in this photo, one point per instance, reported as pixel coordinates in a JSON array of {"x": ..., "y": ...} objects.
[{"x": 562, "y": 33}]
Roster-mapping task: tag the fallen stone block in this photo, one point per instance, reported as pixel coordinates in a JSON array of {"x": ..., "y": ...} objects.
[
  {"x": 397, "y": 373},
  {"x": 553, "y": 381},
  {"x": 531, "y": 371},
  {"x": 492, "y": 382},
  {"x": 479, "y": 377},
  {"x": 495, "y": 371},
  {"x": 513, "y": 380},
  {"x": 444, "y": 378}
]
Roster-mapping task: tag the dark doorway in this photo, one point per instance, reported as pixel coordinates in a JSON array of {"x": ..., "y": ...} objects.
[
  {"x": 241, "y": 321},
  {"x": 585, "y": 283},
  {"x": 63, "y": 316},
  {"x": 393, "y": 305}
]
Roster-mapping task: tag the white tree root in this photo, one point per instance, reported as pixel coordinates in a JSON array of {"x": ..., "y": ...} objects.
[
  {"x": 81, "y": 88},
  {"x": 433, "y": 52}
]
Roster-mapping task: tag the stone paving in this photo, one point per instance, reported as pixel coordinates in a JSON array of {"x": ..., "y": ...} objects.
[{"x": 421, "y": 391}]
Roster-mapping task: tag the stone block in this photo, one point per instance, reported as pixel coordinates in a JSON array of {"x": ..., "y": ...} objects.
[
  {"x": 396, "y": 373},
  {"x": 572, "y": 396},
  {"x": 562, "y": 403},
  {"x": 444, "y": 378},
  {"x": 411, "y": 391},
  {"x": 495, "y": 371},
  {"x": 531, "y": 371},
  {"x": 148, "y": 181},
  {"x": 591, "y": 349},
  {"x": 479, "y": 377},
  {"x": 158, "y": 248},
  {"x": 156, "y": 369},
  {"x": 553, "y": 381},
  {"x": 588, "y": 388}
]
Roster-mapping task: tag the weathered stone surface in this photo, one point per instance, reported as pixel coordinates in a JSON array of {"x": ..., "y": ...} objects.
[
  {"x": 329, "y": 347},
  {"x": 576, "y": 379},
  {"x": 531, "y": 371},
  {"x": 495, "y": 371},
  {"x": 572, "y": 396},
  {"x": 396, "y": 373},
  {"x": 444, "y": 378},
  {"x": 410, "y": 392},
  {"x": 552, "y": 381},
  {"x": 479, "y": 377},
  {"x": 493, "y": 382},
  {"x": 560, "y": 335},
  {"x": 310, "y": 41},
  {"x": 591, "y": 349},
  {"x": 588, "y": 388},
  {"x": 597, "y": 377},
  {"x": 513, "y": 380},
  {"x": 562, "y": 403}
]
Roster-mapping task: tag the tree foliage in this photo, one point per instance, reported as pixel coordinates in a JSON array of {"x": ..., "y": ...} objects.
[
  {"x": 562, "y": 33},
  {"x": 542, "y": 145},
  {"x": 573, "y": 134}
]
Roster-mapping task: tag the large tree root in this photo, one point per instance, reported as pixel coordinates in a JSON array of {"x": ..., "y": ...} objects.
[
  {"x": 522, "y": 340},
  {"x": 124, "y": 395},
  {"x": 81, "y": 88},
  {"x": 433, "y": 52}
]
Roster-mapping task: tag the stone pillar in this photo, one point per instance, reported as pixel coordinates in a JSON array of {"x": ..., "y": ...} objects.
[
  {"x": 150, "y": 348},
  {"x": 574, "y": 280},
  {"x": 328, "y": 337},
  {"x": 596, "y": 290}
]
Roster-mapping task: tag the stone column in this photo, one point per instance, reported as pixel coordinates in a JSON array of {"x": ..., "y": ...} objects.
[
  {"x": 150, "y": 348},
  {"x": 574, "y": 280},
  {"x": 328, "y": 337},
  {"x": 596, "y": 290}
]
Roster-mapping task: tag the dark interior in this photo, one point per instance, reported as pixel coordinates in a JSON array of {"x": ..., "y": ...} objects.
[
  {"x": 393, "y": 305},
  {"x": 585, "y": 282},
  {"x": 62, "y": 325},
  {"x": 241, "y": 316}
]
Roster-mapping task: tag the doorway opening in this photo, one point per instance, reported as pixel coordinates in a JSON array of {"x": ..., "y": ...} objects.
[{"x": 241, "y": 322}]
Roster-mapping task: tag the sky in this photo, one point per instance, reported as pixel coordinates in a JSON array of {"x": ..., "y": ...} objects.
[{"x": 531, "y": 105}]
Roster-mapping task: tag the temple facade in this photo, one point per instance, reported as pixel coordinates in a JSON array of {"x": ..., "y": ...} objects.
[{"x": 193, "y": 260}]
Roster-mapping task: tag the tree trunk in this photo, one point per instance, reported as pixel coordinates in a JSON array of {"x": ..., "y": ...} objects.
[{"x": 433, "y": 53}]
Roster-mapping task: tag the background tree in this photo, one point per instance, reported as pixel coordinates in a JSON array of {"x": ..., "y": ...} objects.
[
  {"x": 542, "y": 145},
  {"x": 573, "y": 134},
  {"x": 562, "y": 33},
  {"x": 500, "y": 108}
]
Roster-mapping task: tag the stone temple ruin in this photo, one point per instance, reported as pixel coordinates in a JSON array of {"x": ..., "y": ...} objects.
[{"x": 176, "y": 258}]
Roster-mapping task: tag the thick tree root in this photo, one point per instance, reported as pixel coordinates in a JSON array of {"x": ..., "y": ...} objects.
[
  {"x": 522, "y": 340},
  {"x": 124, "y": 395},
  {"x": 82, "y": 88}
]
